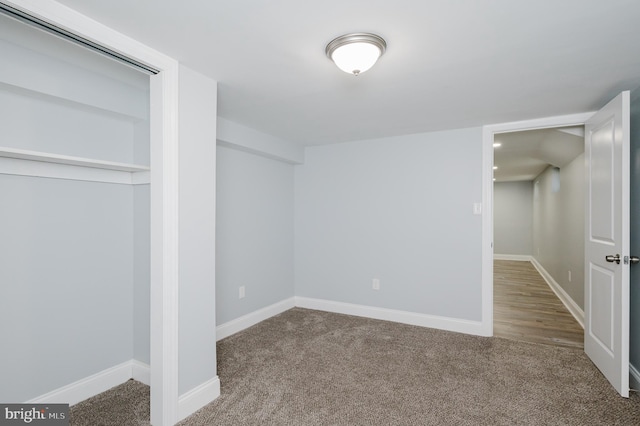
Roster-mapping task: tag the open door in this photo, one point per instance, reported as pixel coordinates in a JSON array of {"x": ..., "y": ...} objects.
[{"x": 606, "y": 334}]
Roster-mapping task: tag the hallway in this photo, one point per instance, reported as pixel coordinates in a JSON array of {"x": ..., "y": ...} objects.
[{"x": 526, "y": 309}]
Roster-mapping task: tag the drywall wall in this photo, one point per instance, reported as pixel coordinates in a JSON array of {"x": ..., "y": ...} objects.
[
  {"x": 50, "y": 122},
  {"x": 243, "y": 138},
  {"x": 78, "y": 103},
  {"x": 197, "y": 201},
  {"x": 52, "y": 67},
  {"x": 558, "y": 225},
  {"x": 634, "y": 300},
  {"x": 141, "y": 274},
  {"x": 142, "y": 250},
  {"x": 513, "y": 218},
  {"x": 254, "y": 232},
  {"x": 393, "y": 209},
  {"x": 67, "y": 279}
]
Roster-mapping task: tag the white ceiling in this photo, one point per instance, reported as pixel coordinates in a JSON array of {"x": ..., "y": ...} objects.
[
  {"x": 449, "y": 63},
  {"x": 524, "y": 155}
]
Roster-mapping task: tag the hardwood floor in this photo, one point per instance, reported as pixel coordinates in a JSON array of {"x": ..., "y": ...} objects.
[{"x": 526, "y": 309}]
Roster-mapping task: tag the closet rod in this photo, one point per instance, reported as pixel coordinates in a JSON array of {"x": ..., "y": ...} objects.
[{"x": 74, "y": 38}]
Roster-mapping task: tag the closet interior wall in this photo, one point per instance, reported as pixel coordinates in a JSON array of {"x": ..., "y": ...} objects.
[{"x": 74, "y": 213}]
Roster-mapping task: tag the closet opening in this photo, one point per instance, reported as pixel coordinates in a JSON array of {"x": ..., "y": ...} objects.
[
  {"x": 161, "y": 173},
  {"x": 75, "y": 178}
]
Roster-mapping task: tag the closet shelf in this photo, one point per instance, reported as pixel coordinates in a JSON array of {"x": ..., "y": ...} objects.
[{"x": 46, "y": 157}]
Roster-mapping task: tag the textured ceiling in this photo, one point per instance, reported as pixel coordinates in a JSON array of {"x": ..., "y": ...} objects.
[{"x": 449, "y": 63}]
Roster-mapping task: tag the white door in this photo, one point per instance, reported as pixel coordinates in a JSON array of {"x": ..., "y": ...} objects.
[{"x": 606, "y": 334}]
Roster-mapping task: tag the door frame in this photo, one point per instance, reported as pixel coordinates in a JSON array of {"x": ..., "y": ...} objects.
[
  {"x": 488, "y": 133},
  {"x": 164, "y": 193}
]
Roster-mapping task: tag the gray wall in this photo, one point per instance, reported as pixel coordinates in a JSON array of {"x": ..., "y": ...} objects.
[
  {"x": 634, "y": 353},
  {"x": 558, "y": 226},
  {"x": 66, "y": 279},
  {"x": 392, "y": 209},
  {"x": 513, "y": 218},
  {"x": 254, "y": 232},
  {"x": 141, "y": 274},
  {"x": 197, "y": 320},
  {"x": 71, "y": 110}
]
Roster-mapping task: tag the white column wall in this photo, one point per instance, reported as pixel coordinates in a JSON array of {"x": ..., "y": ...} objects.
[{"x": 197, "y": 201}]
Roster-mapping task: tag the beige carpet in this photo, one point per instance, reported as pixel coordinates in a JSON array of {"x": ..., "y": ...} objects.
[{"x": 307, "y": 367}]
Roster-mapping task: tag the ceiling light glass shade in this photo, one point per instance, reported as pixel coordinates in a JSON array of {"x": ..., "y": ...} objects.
[{"x": 356, "y": 53}]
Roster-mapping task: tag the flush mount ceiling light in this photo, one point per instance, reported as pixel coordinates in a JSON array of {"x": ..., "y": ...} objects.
[{"x": 357, "y": 52}]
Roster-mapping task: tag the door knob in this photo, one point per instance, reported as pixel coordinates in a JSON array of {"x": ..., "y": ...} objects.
[
  {"x": 634, "y": 259},
  {"x": 610, "y": 258}
]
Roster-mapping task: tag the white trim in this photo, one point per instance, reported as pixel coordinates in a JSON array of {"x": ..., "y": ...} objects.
[
  {"x": 141, "y": 372},
  {"x": 253, "y": 318},
  {"x": 404, "y": 317},
  {"x": 164, "y": 249},
  {"x": 634, "y": 378},
  {"x": 198, "y": 397},
  {"x": 487, "y": 197},
  {"x": 538, "y": 123},
  {"x": 87, "y": 387},
  {"x": 626, "y": 241},
  {"x": 164, "y": 194},
  {"x": 423, "y": 320},
  {"x": 95, "y": 384},
  {"x": 564, "y": 297},
  {"x": 487, "y": 233},
  {"x": 516, "y": 257}
]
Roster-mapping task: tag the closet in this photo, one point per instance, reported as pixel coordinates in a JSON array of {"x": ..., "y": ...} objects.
[{"x": 74, "y": 213}]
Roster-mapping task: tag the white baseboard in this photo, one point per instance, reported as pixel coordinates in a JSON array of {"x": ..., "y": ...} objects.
[
  {"x": 253, "y": 318},
  {"x": 89, "y": 386},
  {"x": 634, "y": 378},
  {"x": 141, "y": 372},
  {"x": 518, "y": 257},
  {"x": 412, "y": 318},
  {"x": 564, "y": 297},
  {"x": 198, "y": 397}
]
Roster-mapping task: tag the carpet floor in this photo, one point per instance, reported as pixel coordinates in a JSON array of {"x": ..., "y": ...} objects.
[{"x": 306, "y": 367}]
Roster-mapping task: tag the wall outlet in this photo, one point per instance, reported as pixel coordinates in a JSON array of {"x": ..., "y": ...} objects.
[
  {"x": 376, "y": 284},
  {"x": 569, "y": 276},
  {"x": 241, "y": 292}
]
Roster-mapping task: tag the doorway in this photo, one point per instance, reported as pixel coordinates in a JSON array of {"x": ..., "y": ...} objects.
[
  {"x": 487, "y": 198},
  {"x": 607, "y": 159},
  {"x": 538, "y": 212}
]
